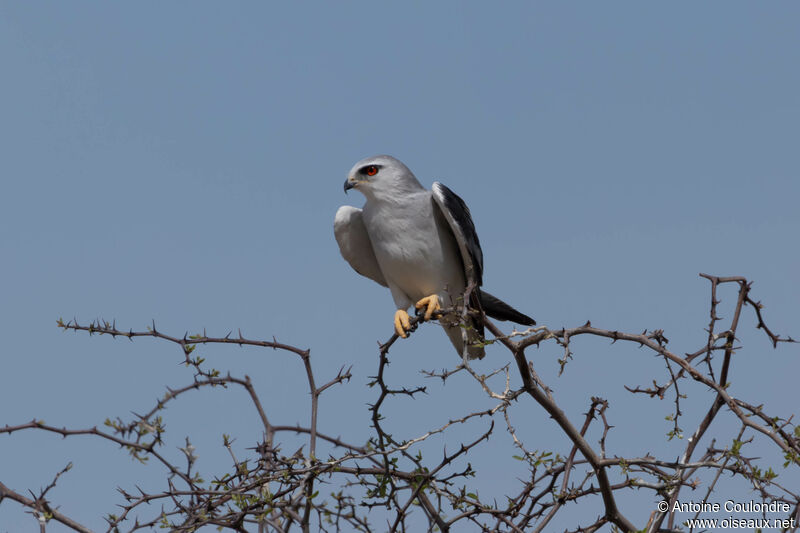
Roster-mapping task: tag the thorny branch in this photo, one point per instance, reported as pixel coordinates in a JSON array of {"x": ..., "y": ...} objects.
[{"x": 390, "y": 479}]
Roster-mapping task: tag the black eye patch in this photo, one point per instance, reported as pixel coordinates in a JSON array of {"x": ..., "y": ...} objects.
[{"x": 369, "y": 170}]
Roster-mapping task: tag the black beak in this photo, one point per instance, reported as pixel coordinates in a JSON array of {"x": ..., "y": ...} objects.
[{"x": 348, "y": 185}]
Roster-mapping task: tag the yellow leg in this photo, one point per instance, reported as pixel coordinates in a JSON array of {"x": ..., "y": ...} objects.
[
  {"x": 431, "y": 303},
  {"x": 401, "y": 322}
]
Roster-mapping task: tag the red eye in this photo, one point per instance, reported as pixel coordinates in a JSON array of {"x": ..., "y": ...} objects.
[{"x": 372, "y": 170}]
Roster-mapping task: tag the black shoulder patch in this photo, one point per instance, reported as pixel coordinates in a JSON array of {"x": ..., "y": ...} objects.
[{"x": 459, "y": 214}]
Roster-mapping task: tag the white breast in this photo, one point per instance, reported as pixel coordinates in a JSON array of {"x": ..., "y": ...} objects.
[{"x": 415, "y": 248}]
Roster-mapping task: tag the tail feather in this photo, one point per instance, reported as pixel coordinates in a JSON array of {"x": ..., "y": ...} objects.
[
  {"x": 497, "y": 308},
  {"x": 474, "y": 349}
]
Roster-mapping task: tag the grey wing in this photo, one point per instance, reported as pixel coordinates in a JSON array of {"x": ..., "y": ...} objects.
[
  {"x": 459, "y": 218},
  {"x": 354, "y": 243}
]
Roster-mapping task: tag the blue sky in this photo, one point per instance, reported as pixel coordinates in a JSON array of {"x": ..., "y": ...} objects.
[{"x": 182, "y": 163}]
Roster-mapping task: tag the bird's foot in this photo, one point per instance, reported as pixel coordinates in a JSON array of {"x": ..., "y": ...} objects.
[
  {"x": 431, "y": 304},
  {"x": 401, "y": 322}
]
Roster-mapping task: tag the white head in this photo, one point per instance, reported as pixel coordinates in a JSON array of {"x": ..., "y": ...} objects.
[{"x": 381, "y": 176}]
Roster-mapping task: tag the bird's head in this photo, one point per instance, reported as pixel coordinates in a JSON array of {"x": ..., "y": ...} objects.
[{"x": 380, "y": 173}]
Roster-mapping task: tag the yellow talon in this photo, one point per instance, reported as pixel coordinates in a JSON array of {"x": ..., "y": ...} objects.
[
  {"x": 401, "y": 322},
  {"x": 432, "y": 305}
]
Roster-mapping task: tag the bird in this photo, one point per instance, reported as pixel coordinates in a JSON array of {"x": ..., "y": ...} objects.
[{"x": 423, "y": 246}]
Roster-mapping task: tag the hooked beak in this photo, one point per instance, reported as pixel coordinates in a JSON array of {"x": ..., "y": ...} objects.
[{"x": 349, "y": 183}]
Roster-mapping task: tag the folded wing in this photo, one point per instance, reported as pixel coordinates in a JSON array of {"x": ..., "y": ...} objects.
[
  {"x": 459, "y": 218},
  {"x": 457, "y": 214}
]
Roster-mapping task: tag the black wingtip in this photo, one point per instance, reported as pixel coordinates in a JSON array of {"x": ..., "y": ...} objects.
[{"x": 498, "y": 309}]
